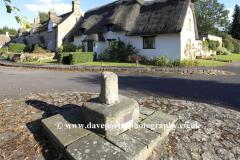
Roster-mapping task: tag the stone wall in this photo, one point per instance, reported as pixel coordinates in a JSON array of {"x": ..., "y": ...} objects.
[
  {"x": 40, "y": 56},
  {"x": 47, "y": 36},
  {"x": 64, "y": 29}
]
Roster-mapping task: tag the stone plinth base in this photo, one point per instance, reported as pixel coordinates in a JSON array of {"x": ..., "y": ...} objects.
[{"x": 110, "y": 119}]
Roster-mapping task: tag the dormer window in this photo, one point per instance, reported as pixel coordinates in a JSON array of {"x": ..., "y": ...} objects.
[
  {"x": 19, "y": 34},
  {"x": 82, "y": 30},
  {"x": 50, "y": 25},
  {"x": 110, "y": 27}
]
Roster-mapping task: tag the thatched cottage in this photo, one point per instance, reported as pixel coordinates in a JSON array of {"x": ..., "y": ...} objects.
[
  {"x": 5, "y": 39},
  {"x": 51, "y": 33},
  {"x": 157, "y": 28}
]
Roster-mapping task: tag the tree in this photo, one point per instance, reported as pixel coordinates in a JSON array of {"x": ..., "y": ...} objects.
[
  {"x": 43, "y": 16},
  {"x": 10, "y": 31},
  {"x": 211, "y": 17},
  {"x": 235, "y": 30},
  {"x": 19, "y": 19}
]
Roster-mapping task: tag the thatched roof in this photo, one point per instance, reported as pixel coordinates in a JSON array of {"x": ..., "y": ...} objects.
[
  {"x": 5, "y": 40},
  {"x": 137, "y": 17},
  {"x": 94, "y": 37}
]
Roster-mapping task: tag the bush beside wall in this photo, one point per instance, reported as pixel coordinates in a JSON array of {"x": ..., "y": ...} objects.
[
  {"x": 222, "y": 51},
  {"x": 228, "y": 44},
  {"x": 16, "y": 48},
  {"x": 82, "y": 57}
]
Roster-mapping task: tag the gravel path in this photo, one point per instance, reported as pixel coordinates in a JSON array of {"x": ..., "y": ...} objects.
[{"x": 217, "y": 138}]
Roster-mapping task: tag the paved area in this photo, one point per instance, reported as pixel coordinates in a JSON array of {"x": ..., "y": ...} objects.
[{"x": 217, "y": 138}]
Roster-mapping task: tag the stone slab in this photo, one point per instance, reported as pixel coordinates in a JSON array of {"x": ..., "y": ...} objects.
[
  {"x": 94, "y": 147},
  {"x": 146, "y": 111},
  {"x": 122, "y": 114},
  {"x": 142, "y": 116},
  {"x": 159, "y": 119},
  {"x": 59, "y": 134},
  {"x": 132, "y": 147},
  {"x": 143, "y": 135}
]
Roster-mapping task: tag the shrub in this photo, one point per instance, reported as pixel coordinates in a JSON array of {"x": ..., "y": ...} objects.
[
  {"x": 119, "y": 51},
  {"x": 228, "y": 45},
  {"x": 30, "y": 59},
  {"x": 236, "y": 45},
  {"x": 3, "y": 55},
  {"x": 104, "y": 55},
  {"x": 48, "y": 51},
  {"x": 16, "y": 48},
  {"x": 80, "y": 48},
  {"x": 213, "y": 45},
  {"x": 133, "y": 58},
  {"x": 67, "y": 47},
  {"x": 27, "y": 49},
  {"x": 39, "y": 50},
  {"x": 189, "y": 63},
  {"x": 60, "y": 49},
  {"x": 3, "y": 50},
  {"x": 81, "y": 57},
  {"x": 222, "y": 51},
  {"x": 63, "y": 58}
]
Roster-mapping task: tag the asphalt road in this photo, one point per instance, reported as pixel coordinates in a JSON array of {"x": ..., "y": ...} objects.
[{"x": 219, "y": 90}]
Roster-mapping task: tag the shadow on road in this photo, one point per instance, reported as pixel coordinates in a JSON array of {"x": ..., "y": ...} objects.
[{"x": 181, "y": 87}]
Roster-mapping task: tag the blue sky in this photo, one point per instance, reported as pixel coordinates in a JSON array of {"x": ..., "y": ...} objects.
[{"x": 30, "y": 8}]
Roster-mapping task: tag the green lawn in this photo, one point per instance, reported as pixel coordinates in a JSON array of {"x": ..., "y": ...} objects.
[
  {"x": 206, "y": 63},
  {"x": 232, "y": 56}
]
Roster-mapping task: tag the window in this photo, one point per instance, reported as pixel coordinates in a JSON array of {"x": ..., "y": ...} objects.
[
  {"x": 110, "y": 27},
  {"x": 19, "y": 35},
  {"x": 50, "y": 25},
  {"x": 149, "y": 42},
  {"x": 82, "y": 30},
  {"x": 50, "y": 46},
  {"x": 189, "y": 24}
]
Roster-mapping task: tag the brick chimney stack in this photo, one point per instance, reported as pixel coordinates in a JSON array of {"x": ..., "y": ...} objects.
[
  {"x": 36, "y": 20},
  {"x": 76, "y": 7},
  {"x": 52, "y": 13}
]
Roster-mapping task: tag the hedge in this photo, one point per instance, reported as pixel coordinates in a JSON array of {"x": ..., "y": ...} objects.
[
  {"x": 228, "y": 44},
  {"x": 16, "y": 48},
  {"x": 63, "y": 58},
  {"x": 222, "y": 51},
  {"x": 82, "y": 57},
  {"x": 3, "y": 50}
]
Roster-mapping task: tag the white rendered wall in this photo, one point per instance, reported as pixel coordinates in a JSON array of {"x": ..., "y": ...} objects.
[
  {"x": 165, "y": 44},
  {"x": 186, "y": 33}
]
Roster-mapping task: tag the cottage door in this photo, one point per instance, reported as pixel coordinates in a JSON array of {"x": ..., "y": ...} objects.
[{"x": 90, "y": 46}]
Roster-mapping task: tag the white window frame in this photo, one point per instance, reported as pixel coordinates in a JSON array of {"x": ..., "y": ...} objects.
[
  {"x": 189, "y": 24},
  {"x": 19, "y": 34}
]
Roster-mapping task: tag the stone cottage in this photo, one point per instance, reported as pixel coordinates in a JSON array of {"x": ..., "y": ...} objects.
[
  {"x": 51, "y": 33},
  {"x": 5, "y": 39},
  {"x": 157, "y": 28}
]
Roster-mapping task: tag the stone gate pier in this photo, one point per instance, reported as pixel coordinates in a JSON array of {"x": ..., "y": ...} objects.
[{"x": 109, "y": 127}]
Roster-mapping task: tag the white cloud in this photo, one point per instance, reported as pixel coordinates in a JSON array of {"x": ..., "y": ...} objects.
[
  {"x": 47, "y": 1},
  {"x": 230, "y": 13},
  {"x": 59, "y": 8}
]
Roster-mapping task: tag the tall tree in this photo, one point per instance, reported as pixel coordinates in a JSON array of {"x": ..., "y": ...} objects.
[
  {"x": 211, "y": 17},
  {"x": 43, "y": 16},
  {"x": 235, "y": 30},
  {"x": 10, "y": 31}
]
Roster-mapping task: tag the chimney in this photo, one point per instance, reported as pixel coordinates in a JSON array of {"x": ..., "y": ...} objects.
[
  {"x": 7, "y": 34},
  {"x": 76, "y": 7},
  {"x": 36, "y": 20},
  {"x": 52, "y": 14}
]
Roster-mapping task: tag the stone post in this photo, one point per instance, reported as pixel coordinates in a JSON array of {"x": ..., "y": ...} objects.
[{"x": 109, "y": 88}]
